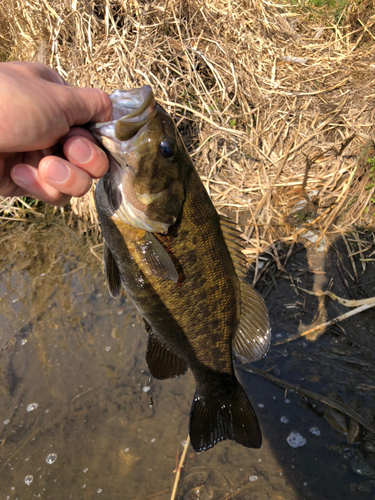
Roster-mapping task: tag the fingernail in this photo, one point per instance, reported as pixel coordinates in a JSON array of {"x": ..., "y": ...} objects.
[
  {"x": 80, "y": 151},
  {"x": 24, "y": 175},
  {"x": 56, "y": 171}
]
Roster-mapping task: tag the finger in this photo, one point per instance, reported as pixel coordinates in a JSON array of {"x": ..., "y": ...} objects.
[
  {"x": 9, "y": 188},
  {"x": 64, "y": 176},
  {"x": 78, "y": 131},
  {"x": 83, "y": 104},
  {"x": 27, "y": 179},
  {"x": 84, "y": 153},
  {"x": 36, "y": 69},
  {"x": 7, "y": 185}
]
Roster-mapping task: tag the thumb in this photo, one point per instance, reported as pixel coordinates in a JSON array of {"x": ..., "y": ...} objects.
[{"x": 83, "y": 104}]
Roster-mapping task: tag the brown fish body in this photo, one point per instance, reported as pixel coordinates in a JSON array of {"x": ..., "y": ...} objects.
[
  {"x": 184, "y": 283},
  {"x": 197, "y": 316}
]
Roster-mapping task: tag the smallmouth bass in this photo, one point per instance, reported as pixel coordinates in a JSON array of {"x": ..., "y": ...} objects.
[{"x": 181, "y": 265}]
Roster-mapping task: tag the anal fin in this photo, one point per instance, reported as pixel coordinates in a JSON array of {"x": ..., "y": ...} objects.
[{"x": 161, "y": 361}]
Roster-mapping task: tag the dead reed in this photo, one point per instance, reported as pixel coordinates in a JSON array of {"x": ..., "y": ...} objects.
[{"x": 275, "y": 101}]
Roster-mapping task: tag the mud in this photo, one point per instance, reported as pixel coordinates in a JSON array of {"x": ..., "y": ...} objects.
[{"x": 74, "y": 384}]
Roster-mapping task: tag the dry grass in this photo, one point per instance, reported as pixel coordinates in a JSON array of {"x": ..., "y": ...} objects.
[{"x": 275, "y": 103}]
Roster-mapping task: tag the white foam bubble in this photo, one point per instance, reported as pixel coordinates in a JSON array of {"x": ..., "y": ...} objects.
[
  {"x": 51, "y": 458},
  {"x": 295, "y": 440},
  {"x": 28, "y": 480},
  {"x": 32, "y": 407},
  {"x": 315, "y": 431}
]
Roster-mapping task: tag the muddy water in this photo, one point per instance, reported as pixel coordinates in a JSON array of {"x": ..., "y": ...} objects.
[{"x": 75, "y": 415}]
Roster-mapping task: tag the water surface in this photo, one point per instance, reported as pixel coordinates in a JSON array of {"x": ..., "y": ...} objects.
[{"x": 75, "y": 414}]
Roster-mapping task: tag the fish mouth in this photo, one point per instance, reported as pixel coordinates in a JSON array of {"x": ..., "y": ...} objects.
[
  {"x": 128, "y": 104},
  {"x": 131, "y": 110}
]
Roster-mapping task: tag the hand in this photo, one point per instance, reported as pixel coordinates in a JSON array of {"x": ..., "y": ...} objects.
[{"x": 39, "y": 113}]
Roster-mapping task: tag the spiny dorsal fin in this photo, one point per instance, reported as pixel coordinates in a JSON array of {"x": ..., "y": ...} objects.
[
  {"x": 235, "y": 243},
  {"x": 161, "y": 361},
  {"x": 253, "y": 336},
  {"x": 112, "y": 273}
]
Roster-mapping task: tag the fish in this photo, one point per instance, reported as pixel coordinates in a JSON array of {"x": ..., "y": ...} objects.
[{"x": 182, "y": 266}]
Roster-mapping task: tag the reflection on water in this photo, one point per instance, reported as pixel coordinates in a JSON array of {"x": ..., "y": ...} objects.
[{"x": 75, "y": 417}]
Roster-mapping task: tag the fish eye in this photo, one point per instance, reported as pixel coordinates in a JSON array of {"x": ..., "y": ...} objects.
[{"x": 167, "y": 149}]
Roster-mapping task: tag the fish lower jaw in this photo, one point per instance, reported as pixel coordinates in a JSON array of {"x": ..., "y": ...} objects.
[
  {"x": 134, "y": 217},
  {"x": 147, "y": 198}
]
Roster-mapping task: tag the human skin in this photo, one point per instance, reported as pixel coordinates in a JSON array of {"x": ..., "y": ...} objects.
[{"x": 44, "y": 153}]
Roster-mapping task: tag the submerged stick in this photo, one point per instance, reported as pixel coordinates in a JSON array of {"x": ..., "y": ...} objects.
[
  {"x": 363, "y": 305},
  {"x": 344, "y": 302},
  {"x": 343, "y": 408},
  {"x": 158, "y": 493},
  {"x": 327, "y": 324},
  {"x": 180, "y": 465}
]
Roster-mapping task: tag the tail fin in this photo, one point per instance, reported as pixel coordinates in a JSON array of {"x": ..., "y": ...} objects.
[{"x": 213, "y": 420}]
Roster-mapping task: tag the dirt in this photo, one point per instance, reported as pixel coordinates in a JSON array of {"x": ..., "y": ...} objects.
[{"x": 77, "y": 357}]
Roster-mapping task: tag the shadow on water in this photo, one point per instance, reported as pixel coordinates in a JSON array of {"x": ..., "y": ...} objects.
[{"x": 75, "y": 408}]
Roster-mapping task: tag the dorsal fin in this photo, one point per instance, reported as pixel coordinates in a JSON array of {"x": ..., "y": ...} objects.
[
  {"x": 253, "y": 336},
  {"x": 235, "y": 243}
]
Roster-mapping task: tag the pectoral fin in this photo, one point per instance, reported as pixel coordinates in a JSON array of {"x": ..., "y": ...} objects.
[
  {"x": 156, "y": 256},
  {"x": 112, "y": 273},
  {"x": 161, "y": 361},
  {"x": 253, "y": 336}
]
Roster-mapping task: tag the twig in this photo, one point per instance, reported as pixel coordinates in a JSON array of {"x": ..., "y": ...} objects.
[
  {"x": 94, "y": 253},
  {"x": 327, "y": 324},
  {"x": 344, "y": 302},
  {"x": 159, "y": 493},
  {"x": 229, "y": 496},
  {"x": 180, "y": 466},
  {"x": 79, "y": 395},
  {"x": 350, "y": 257}
]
